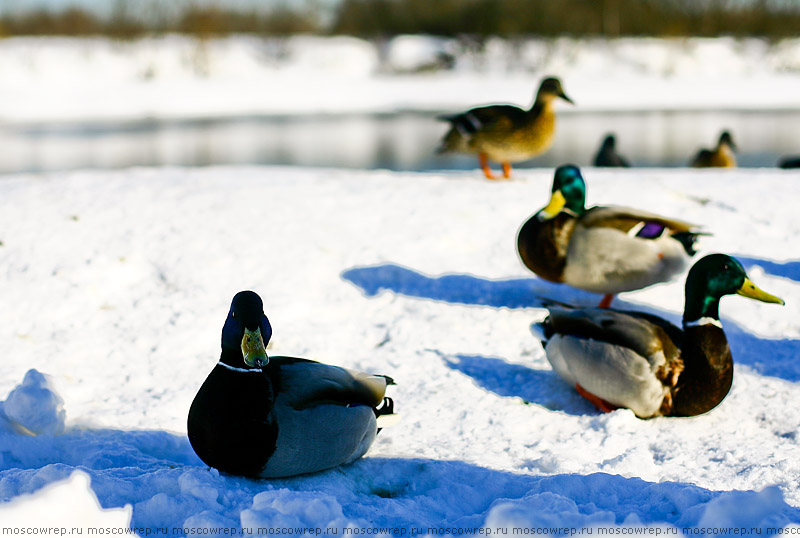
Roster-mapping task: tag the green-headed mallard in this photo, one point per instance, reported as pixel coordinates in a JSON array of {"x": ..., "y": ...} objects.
[
  {"x": 644, "y": 363},
  {"x": 280, "y": 416},
  {"x": 601, "y": 249},
  {"x": 607, "y": 155},
  {"x": 723, "y": 156},
  {"x": 505, "y": 133}
]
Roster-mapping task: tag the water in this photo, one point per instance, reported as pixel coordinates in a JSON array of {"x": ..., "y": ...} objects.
[{"x": 403, "y": 141}]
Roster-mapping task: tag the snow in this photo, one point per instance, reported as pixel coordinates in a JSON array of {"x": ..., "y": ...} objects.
[
  {"x": 80, "y": 80},
  {"x": 66, "y": 503},
  {"x": 116, "y": 284},
  {"x": 34, "y": 407}
]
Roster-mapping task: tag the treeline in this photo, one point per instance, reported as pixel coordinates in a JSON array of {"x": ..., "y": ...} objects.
[
  {"x": 611, "y": 18},
  {"x": 132, "y": 20},
  {"x": 385, "y": 18}
]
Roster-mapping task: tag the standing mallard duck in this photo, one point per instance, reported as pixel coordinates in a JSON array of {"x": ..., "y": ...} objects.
[
  {"x": 723, "y": 156},
  {"x": 644, "y": 363},
  {"x": 601, "y": 249},
  {"x": 505, "y": 133},
  {"x": 607, "y": 155},
  {"x": 280, "y": 416}
]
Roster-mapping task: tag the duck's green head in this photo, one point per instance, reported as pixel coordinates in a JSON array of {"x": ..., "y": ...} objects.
[
  {"x": 713, "y": 277},
  {"x": 549, "y": 89},
  {"x": 569, "y": 193},
  {"x": 246, "y": 332}
]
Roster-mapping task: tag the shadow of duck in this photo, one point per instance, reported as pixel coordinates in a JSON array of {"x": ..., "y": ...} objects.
[
  {"x": 774, "y": 358},
  {"x": 534, "y": 386},
  {"x": 462, "y": 288}
]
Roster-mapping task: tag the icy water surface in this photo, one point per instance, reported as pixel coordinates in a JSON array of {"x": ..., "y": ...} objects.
[{"x": 403, "y": 141}]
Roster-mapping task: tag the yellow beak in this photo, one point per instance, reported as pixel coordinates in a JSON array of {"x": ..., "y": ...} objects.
[
  {"x": 551, "y": 211},
  {"x": 253, "y": 349},
  {"x": 750, "y": 290}
]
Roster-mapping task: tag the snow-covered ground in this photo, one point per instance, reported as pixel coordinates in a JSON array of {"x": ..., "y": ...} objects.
[
  {"x": 79, "y": 80},
  {"x": 115, "y": 286}
]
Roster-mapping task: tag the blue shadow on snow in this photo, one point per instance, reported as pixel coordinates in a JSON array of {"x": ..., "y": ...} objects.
[
  {"x": 790, "y": 269},
  {"x": 775, "y": 358},
  {"x": 462, "y": 289},
  {"x": 157, "y": 473},
  {"x": 533, "y": 386}
]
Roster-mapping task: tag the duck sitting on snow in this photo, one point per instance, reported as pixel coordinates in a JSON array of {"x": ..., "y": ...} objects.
[
  {"x": 607, "y": 155},
  {"x": 265, "y": 416},
  {"x": 786, "y": 162},
  {"x": 644, "y": 363},
  {"x": 722, "y": 156},
  {"x": 505, "y": 133},
  {"x": 601, "y": 249}
]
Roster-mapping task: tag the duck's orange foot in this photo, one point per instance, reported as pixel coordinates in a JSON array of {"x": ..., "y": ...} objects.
[
  {"x": 506, "y": 170},
  {"x": 484, "y": 162},
  {"x": 599, "y": 403},
  {"x": 606, "y": 302}
]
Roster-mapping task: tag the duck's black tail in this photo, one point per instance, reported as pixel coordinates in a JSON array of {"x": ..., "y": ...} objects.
[
  {"x": 688, "y": 240},
  {"x": 389, "y": 380},
  {"x": 387, "y": 409}
]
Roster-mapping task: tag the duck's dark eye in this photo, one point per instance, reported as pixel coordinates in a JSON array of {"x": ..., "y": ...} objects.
[{"x": 725, "y": 267}]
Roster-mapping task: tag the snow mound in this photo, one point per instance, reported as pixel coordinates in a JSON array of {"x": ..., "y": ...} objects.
[
  {"x": 67, "y": 503},
  {"x": 34, "y": 407},
  {"x": 290, "y": 509},
  {"x": 746, "y": 509},
  {"x": 574, "y": 501}
]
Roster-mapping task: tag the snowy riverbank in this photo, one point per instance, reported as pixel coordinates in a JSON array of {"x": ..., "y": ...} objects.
[{"x": 80, "y": 80}]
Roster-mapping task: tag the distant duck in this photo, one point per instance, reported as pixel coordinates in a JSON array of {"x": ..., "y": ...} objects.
[
  {"x": 505, "y": 133},
  {"x": 602, "y": 249},
  {"x": 723, "y": 156},
  {"x": 644, "y": 363},
  {"x": 607, "y": 155},
  {"x": 790, "y": 162},
  {"x": 268, "y": 417}
]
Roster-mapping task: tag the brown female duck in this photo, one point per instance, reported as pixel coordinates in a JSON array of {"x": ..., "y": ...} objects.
[
  {"x": 506, "y": 133},
  {"x": 722, "y": 156}
]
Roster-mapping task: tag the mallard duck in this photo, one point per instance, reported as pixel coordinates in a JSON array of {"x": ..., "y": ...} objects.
[
  {"x": 265, "y": 416},
  {"x": 644, "y": 363},
  {"x": 601, "y": 249},
  {"x": 786, "y": 162},
  {"x": 723, "y": 156},
  {"x": 505, "y": 133},
  {"x": 607, "y": 154}
]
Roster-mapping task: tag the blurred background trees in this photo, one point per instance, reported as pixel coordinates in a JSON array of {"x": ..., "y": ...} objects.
[{"x": 383, "y": 18}]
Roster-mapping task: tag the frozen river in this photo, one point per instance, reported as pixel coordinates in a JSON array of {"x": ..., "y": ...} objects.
[{"x": 397, "y": 141}]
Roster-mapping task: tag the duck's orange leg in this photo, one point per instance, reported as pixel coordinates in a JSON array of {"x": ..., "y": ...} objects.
[
  {"x": 506, "y": 170},
  {"x": 484, "y": 160},
  {"x": 599, "y": 403},
  {"x": 606, "y": 302}
]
